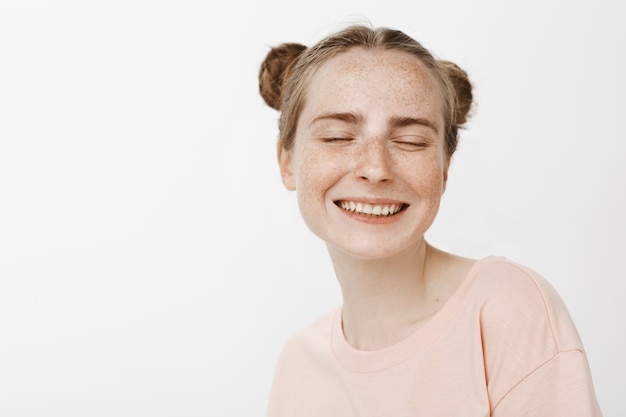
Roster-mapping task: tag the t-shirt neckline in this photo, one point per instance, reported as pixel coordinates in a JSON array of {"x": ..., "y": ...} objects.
[{"x": 361, "y": 361}]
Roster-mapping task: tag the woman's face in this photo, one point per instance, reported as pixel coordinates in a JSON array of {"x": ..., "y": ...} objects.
[{"x": 369, "y": 162}]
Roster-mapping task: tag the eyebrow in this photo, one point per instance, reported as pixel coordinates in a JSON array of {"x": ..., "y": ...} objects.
[
  {"x": 409, "y": 121},
  {"x": 348, "y": 117},
  {"x": 395, "y": 122}
]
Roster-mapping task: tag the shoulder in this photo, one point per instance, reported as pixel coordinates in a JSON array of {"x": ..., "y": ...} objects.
[
  {"x": 309, "y": 344},
  {"x": 530, "y": 344},
  {"x": 306, "y": 356},
  {"x": 305, "y": 361},
  {"x": 496, "y": 273},
  {"x": 515, "y": 298},
  {"x": 523, "y": 323}
]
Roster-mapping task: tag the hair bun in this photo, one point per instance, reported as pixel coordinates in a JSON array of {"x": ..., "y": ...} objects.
[
  {"x": 275, "y": 69},
  {"x": 463, "y": 89}
]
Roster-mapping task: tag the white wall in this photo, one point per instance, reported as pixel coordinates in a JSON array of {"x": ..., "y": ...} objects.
[{"x": 151, "y": 264}]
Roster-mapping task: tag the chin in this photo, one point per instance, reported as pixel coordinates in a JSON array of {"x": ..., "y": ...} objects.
[{"x": 371, "y": 250}]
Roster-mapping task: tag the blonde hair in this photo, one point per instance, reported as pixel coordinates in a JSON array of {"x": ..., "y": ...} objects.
[{"x": 288, "y": 68}]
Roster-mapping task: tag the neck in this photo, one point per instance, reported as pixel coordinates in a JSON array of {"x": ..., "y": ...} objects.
[{"x": 386, "y": 300}]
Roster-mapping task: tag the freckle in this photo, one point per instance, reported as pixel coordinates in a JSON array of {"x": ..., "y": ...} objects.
[{"x": 436, "y": 300}]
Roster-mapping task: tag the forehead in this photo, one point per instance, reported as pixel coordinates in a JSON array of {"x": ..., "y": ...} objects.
[{"x": 374, "y": 80}]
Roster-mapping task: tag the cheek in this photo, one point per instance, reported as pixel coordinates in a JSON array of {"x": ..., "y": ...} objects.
[
  {"x": 318, "y": 168},
  {"x": 311, "y": 179},
  {"x": 318, "y": 172},
  {"x": 425, "y": 174}
]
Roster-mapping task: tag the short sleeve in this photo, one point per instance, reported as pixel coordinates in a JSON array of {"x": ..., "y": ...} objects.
[{"x": 560, "y": 387}]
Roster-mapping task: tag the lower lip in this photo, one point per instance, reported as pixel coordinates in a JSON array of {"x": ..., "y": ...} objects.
[{"x": 369, "y": 219}]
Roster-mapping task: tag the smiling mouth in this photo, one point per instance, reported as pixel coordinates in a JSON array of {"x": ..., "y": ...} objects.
[{"x": 374, "y": 210}]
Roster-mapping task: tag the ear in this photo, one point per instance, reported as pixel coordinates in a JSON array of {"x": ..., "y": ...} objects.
[{"x": 285, "y": 159}]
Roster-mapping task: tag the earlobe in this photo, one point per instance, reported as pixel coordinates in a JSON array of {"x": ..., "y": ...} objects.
[{"x": 286, "y": 171}]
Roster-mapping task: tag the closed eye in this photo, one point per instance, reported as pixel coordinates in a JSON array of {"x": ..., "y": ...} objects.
[
  {"x": 336, "y": 140},
  {"x": 412, "y": 144},
  {"x": 415, "y": 144}
]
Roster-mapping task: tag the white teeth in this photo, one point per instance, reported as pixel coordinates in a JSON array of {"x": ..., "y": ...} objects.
[{"x": 372, "y": 210}]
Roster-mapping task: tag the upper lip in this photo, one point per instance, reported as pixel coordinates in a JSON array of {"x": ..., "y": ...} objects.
[{"x": 370, "y": 200}]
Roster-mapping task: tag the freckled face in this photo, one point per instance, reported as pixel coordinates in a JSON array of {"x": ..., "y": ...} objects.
[{"x": 368, "y": 162}]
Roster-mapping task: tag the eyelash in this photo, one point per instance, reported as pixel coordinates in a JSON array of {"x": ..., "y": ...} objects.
[
  {"x": 415, "y": 145},
  {"x": 411, "y": 146},
  {"x": 331, "y": 140}
]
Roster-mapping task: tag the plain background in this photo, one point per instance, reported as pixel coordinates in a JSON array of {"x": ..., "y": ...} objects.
[{"x": 151, "y": 264}]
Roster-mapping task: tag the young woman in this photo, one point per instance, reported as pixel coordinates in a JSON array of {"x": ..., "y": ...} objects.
[{"x": 368, "y": 124}]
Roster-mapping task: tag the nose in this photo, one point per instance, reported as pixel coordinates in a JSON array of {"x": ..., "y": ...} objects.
[{"x": 374, "y": 163}]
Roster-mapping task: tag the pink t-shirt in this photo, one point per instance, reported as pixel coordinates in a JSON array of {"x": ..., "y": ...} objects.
[{"x": 503, "y": 345}]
